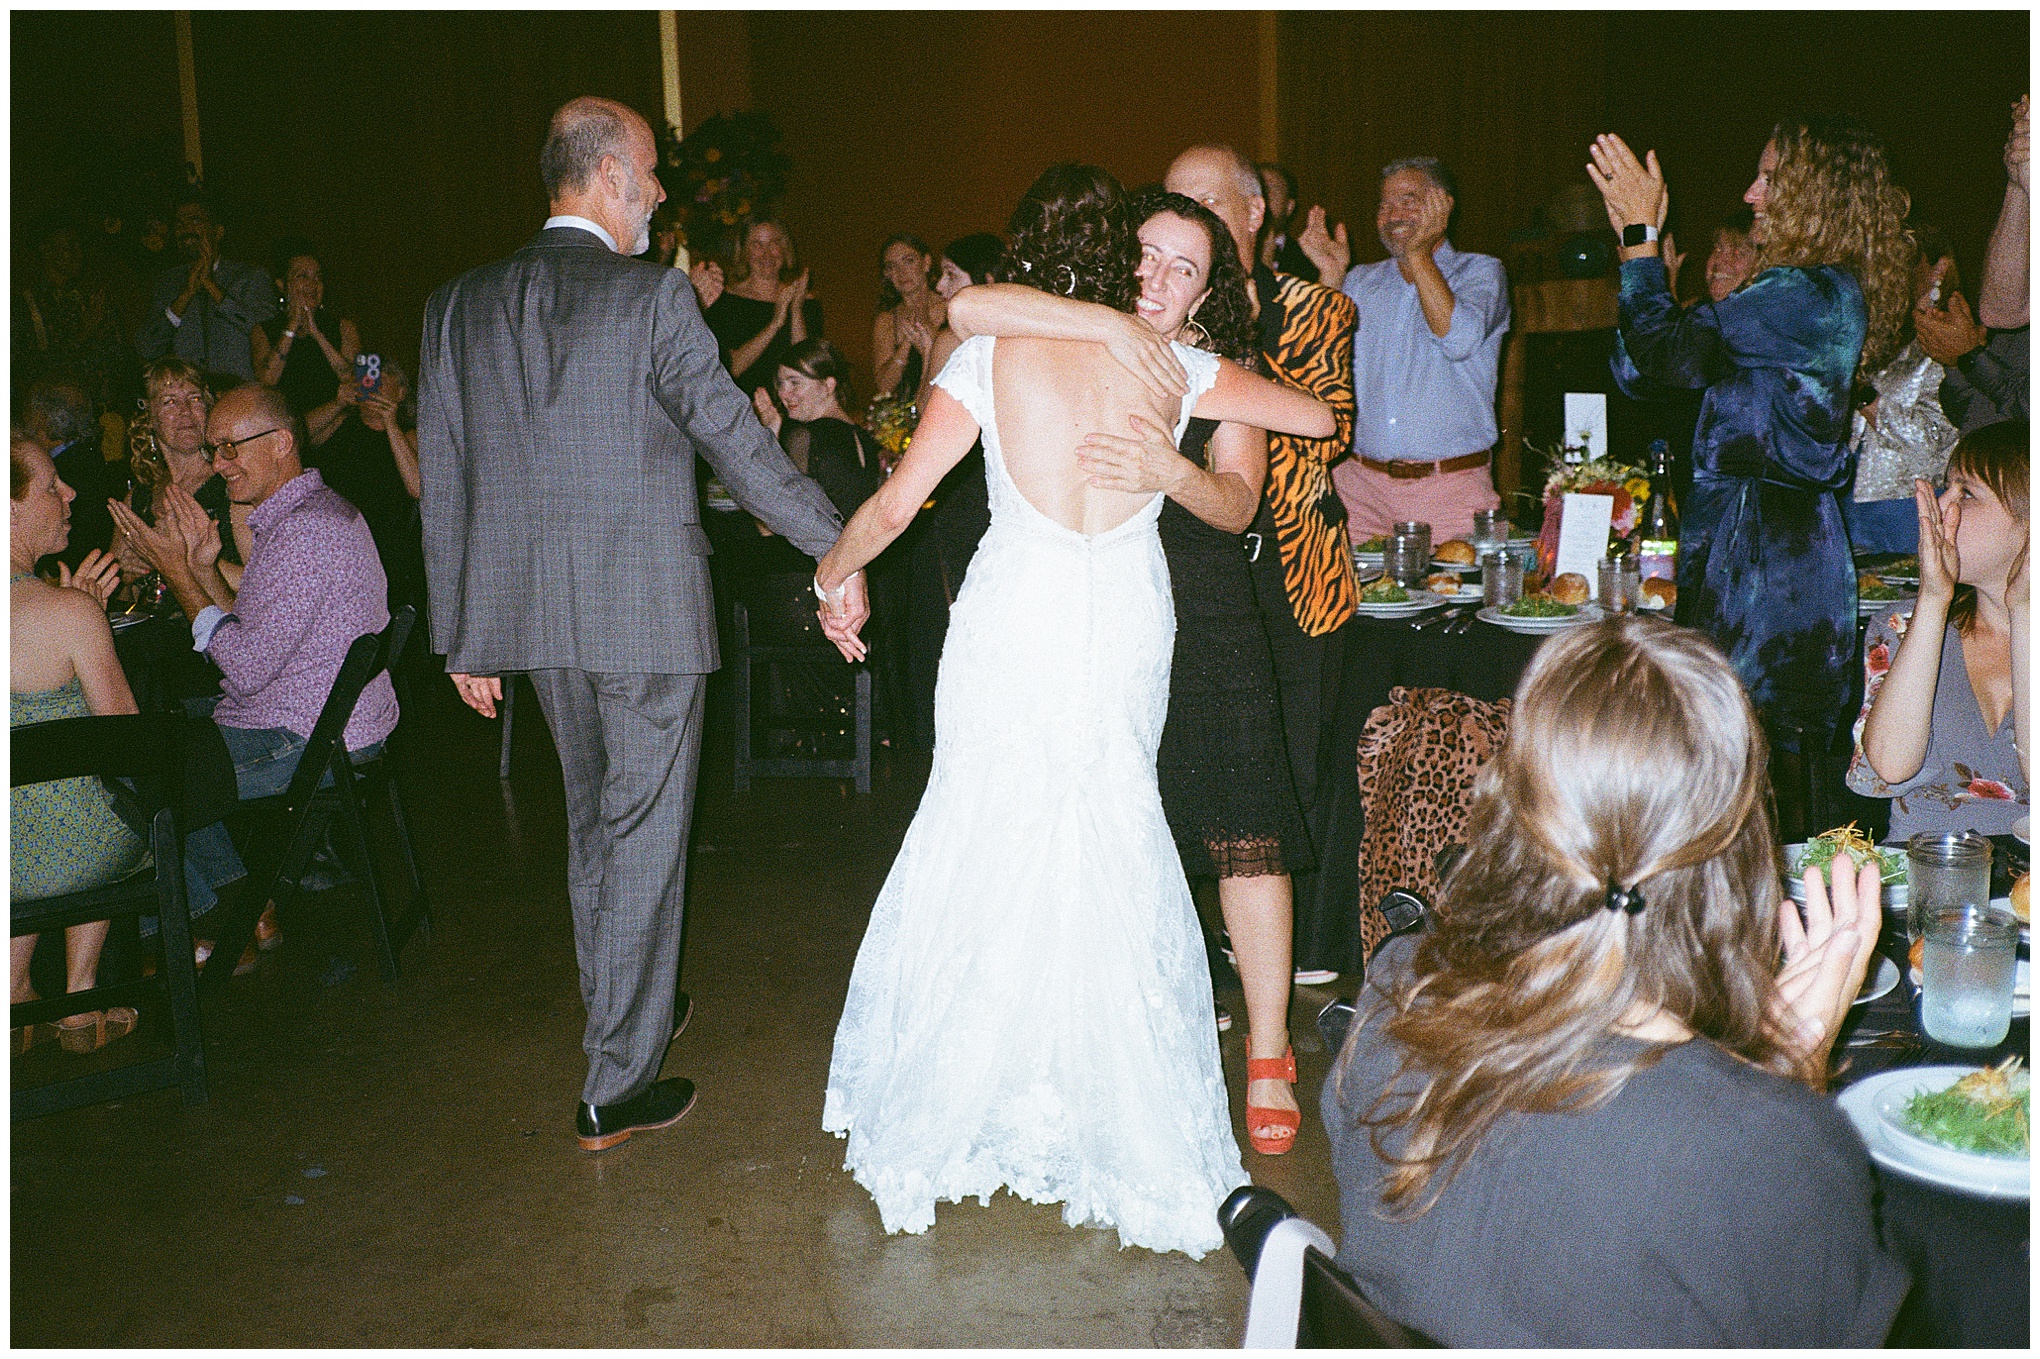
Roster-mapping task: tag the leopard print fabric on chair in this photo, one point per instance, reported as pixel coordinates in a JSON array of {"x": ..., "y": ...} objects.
[{"x": 1418, "y": 756}]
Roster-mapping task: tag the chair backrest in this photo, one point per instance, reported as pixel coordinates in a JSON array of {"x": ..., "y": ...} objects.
[
  {"x": 1417, "y": 758},
  {"x": 145, "y": 747},
  {"x": 370, "y": 655},
  {"x": 1300, "y": 1299}
]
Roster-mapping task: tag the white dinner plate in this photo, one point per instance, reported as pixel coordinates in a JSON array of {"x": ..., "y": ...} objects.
[
  {"x": 121, "y": 622},
  {"x": 1901, "y": 582},
  {"x": 2022, "y": 830},
  {"x": 1538, "y": 627},
  {"x": 1463, "y": 568},
  {"x": 1418, "y": 601},
  {"x": 1866, "y": 608},
  {"x": 1462, "y": 593},
  {"x": 1872, "y": 1105},
  {"x": 1364, "y": 574},
  {"x": 1880, "y": 983}
]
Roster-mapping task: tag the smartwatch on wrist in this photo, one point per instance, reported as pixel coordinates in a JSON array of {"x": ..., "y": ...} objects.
[{"x": 1636, "y": 233}]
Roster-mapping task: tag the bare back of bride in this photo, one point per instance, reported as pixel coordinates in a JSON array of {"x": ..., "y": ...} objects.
[{"x": 1031, "y": 1007}]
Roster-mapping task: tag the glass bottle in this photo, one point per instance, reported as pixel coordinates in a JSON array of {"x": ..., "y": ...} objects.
[{"x": 1658, "y": 529}]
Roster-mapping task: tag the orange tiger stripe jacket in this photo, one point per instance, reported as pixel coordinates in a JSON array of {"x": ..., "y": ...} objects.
[{"x": 1307, "y": 340}]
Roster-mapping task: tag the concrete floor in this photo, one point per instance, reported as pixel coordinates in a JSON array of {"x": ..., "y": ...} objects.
[{"x": 394, "y": 1165}]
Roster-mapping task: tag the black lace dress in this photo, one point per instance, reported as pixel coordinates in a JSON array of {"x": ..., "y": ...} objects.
[{"x": 1223, "y": 765}]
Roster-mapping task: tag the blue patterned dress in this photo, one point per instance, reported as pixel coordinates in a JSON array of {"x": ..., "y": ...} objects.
[{"x": 1764, "y": 565}]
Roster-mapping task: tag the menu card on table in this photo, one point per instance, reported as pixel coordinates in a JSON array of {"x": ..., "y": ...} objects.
[{"x": 1583, "y": 537}]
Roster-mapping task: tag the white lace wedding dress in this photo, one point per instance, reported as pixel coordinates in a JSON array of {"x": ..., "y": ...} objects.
[{"x": 1031, "y": 1008}]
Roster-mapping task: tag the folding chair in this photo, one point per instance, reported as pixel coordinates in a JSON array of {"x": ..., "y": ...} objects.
[
  {"x": 792, "y": 636},
  {"x": 332, "y": 790},
  {"x": 1301, "y": 1300},
  {"x": 148, "y": 749}
]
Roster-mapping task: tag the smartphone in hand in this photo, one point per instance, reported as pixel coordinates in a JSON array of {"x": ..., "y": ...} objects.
[{"x": 368, "y": 373}]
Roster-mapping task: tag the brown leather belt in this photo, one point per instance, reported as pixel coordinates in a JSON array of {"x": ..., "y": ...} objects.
[{"x": 1403, "y": 470}]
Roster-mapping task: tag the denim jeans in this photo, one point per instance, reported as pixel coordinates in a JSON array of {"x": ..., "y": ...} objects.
[{"x": 265, "y": 758}]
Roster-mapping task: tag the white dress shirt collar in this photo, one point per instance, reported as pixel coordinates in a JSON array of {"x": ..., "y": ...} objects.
[{"x": 583, "y": 224}]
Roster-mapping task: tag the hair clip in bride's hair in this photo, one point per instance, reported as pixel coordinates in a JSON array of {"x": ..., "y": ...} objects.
[{"x": 1628, "y": 899}]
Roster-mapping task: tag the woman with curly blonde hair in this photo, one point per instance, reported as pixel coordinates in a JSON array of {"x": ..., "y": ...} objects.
[
  {"x": 1764, "y": 564},
  {"x": 166, "y": 447}
]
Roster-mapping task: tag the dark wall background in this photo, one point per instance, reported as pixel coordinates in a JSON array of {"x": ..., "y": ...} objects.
[
  {"x": 405, "y": 144},
  {"x": 1511, "y": 101}
]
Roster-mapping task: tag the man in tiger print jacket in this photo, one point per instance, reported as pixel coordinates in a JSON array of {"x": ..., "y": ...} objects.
[{"x": 1304, "y": 576}]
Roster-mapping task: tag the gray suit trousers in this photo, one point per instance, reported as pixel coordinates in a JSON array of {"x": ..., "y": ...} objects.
[{"x": 629, "y": 748}]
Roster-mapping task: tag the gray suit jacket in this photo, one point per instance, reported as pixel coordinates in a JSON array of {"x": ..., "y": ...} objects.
[{"x": 563, "y": 395}]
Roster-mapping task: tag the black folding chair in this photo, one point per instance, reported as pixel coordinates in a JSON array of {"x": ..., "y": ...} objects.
[
  {"x": 149, "y": 750},
  {"x": 785, "y": 631},
  {"x": 331, "y": 790},
  {"x": 1301, "y": 1300}
]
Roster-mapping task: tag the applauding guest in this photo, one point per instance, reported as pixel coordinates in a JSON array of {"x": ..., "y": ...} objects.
[
  {"x": 307, "y": 353},
  {"x": 1764, "y": 562},
  {"x": 1585, "y": 1108},
  {"x": 203, "y": 309},
  {"x": 1987, "y": 356},
  {"x": 371, "y": 459},
  {"x": 765, "y": 308},
  {"x": 312, "y": 586},
  {"x": 910, "y": 312},
  {"x": 166, "y": 446},
  {"x": 1947, "y": 719},
  {"x": 1425, "y": 360},
  {"x": 816, "y": 432}
]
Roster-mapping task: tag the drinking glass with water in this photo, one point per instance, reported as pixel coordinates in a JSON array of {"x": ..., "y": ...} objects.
[{"x": 1966, "y": 976}]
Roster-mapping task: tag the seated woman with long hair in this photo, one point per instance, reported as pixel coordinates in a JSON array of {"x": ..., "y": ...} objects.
[
  {"x": 1947, "y": 677},
  {"x": 1585, "y": 1107}
]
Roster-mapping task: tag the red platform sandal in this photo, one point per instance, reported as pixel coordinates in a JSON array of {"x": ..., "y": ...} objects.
[{"x": 1272, "y": 1132}]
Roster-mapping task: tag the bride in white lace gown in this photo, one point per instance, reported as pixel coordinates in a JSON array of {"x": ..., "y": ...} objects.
[{"x": 1031, "y": 1008}]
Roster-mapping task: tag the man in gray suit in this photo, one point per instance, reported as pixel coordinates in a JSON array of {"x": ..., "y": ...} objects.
[{"x": 564, "y": 394}]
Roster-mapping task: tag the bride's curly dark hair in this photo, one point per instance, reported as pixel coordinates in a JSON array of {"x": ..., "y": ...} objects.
[
  {"x": 1227, "y": 316},
  {"x": 1072, "y": 235}
]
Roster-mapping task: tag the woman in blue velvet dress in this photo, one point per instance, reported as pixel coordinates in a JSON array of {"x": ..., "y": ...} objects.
[{"x": 1764, "y": 563}]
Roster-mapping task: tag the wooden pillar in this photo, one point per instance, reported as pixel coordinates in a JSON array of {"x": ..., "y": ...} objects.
[
  {"x": 669, "y": 61},
  {"x": 187, "y": 88}
]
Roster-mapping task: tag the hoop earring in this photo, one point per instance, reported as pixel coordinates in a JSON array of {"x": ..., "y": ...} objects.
[
  {"x": 1071, "y": 289},
  {"x": 1203, "y": 340}
]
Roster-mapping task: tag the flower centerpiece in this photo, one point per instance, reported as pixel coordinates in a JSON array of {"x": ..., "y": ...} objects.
[
  {"x": 1628, "y": 486},
  {"x": 725, "y": 173}
]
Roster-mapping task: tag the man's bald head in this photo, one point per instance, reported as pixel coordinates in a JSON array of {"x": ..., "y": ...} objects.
[
  {"x": 1225, "y": 181},
  {"x": 583, "y": 131}
]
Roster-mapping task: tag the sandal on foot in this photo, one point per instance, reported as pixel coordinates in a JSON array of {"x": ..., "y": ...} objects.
[
  {"x": 203, "y": 949},
  {"x": 1272, "y": 1132},
  {"x": 95, "y": 1030}
]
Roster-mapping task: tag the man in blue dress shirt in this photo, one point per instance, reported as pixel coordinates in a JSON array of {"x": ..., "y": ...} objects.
[{"x": 1425, "y": 359}]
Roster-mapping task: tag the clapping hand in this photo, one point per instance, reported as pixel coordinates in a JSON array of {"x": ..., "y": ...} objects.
[
  {"x": 1330, "y": 250},
  {"x": 707, "y": 278},
  {"x": 1827, "y": 957},
  {"x": 98, "y": 575},
  {"x": 1633, "y": 192},
  {"x": 1940, "y": 561},
  {"x": 1434, "y": 215},
  {"x": 1146, "y": 463},
  {"x": 162, "y": 548},
  {"x": 843, "y": 616},
  {"x": 1675, "y": 260},
  {"x": 192, "y": 526},
  {"x": 1141, "y": 350},
  {"x": 768, "y": 411},
  {"x": 914, "y": 331},
  {"x": 1946, "y": 335}
]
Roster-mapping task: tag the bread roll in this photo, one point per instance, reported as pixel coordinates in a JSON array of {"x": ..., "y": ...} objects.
[
  {"x": 1570, "y": 588},
  {"x": 1444, "y": 582},
  {"x": 1454, "y": 550},
  {"x": 2022, "y": 905},
  {"x": 1661, "y": 591}
]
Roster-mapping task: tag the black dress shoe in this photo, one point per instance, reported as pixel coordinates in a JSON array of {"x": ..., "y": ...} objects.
[
  {"x": 660, "y": 1105},
  {"x": 683, "y": 1010}
]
